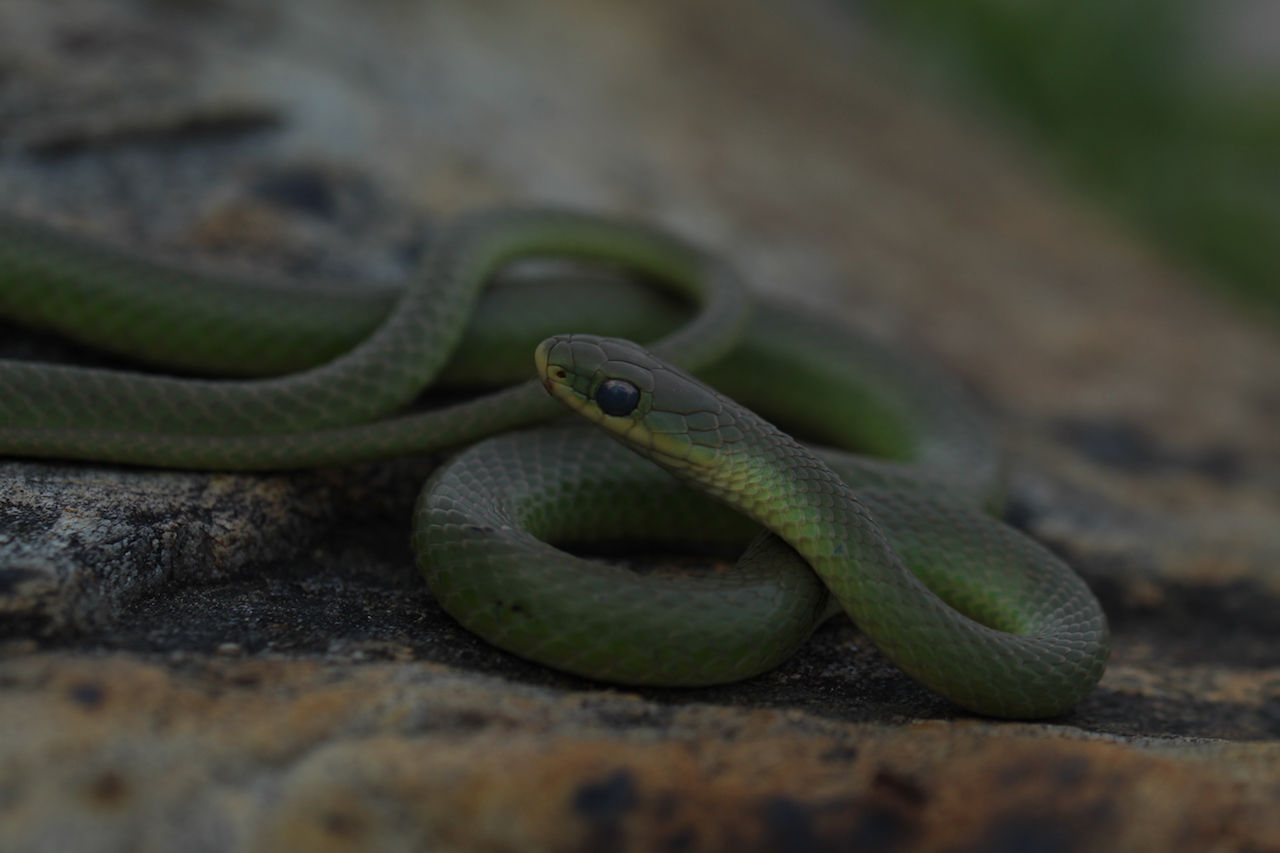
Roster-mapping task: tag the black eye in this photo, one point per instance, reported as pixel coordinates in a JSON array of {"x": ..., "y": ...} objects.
[{"x": 617, "y": 397}]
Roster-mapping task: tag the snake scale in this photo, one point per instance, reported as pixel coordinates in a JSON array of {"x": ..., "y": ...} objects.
[{"x": 962, "y": 603}]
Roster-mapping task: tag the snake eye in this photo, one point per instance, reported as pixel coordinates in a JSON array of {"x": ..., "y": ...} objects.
[{"x": 617, "y": 397}]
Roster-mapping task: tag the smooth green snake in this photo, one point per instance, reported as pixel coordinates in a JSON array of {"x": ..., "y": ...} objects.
[{"x": 1007, "y": 630}]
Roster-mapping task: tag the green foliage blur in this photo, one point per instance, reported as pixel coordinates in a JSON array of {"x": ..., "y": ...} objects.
[{"x": 1122, "y": 96}]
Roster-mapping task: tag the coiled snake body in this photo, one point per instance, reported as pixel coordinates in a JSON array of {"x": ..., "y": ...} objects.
[{"x": 962, "y": 603}]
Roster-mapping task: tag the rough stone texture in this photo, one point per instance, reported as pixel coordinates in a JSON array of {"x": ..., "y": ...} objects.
[{"x": 216, "y": 662}]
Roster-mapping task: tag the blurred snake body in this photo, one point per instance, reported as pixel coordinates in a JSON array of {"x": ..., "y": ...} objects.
[{"x": 963, "y": 604}]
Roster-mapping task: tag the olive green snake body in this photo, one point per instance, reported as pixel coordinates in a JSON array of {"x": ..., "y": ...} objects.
[{"x": 965, "y": 605}]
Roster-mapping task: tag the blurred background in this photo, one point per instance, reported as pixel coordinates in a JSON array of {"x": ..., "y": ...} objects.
[{"x": 1166, "y": 110}]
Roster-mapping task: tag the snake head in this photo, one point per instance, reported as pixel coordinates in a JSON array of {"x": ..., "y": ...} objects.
[{"x": 655, "y": 408}]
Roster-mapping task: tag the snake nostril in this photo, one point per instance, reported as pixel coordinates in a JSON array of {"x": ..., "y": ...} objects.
[{"x": 560, "y": 374}]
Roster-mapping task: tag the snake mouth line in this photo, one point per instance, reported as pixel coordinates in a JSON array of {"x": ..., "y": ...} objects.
[
  {"x": 541, "y": 364},
  {"x": 555, "y": 379}
]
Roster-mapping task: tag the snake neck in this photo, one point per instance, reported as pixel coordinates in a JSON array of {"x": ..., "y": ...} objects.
[{"x": 779, "y": 483}]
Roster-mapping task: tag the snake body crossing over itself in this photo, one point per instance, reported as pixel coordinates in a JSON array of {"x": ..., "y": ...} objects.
[{"x": 963, "y": 604}]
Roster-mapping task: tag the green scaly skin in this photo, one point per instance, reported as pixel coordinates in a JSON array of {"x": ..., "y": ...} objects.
[
  {"x": 326, "y": 414},
  {"x": 358, "y": 357},
  {"x": 984, "y": 616}
]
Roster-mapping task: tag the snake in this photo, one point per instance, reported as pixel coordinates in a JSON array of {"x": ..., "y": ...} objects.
[{"x": 256, "y": 375}]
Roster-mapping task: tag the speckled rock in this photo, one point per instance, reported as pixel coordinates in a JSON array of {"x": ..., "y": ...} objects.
[
  {"x": 415, "y": 756},
  {"x": 231, "y": 662}
]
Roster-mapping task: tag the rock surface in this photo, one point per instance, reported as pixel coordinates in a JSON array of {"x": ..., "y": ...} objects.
[{"x": 232, "y": 662}]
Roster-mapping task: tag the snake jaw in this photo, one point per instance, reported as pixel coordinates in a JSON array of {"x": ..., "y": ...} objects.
[{"x": 555, "y": 378}]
